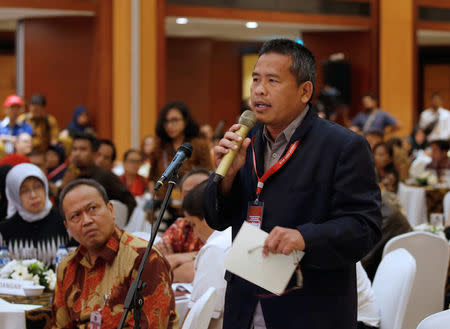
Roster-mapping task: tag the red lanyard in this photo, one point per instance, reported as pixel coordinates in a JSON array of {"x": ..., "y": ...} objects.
[{"x": 277, "y": 166}]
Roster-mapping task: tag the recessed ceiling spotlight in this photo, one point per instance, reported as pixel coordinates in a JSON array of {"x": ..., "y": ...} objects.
[
  {"x": 251, "y": 25},
  {"x": 182, "y": 20}
]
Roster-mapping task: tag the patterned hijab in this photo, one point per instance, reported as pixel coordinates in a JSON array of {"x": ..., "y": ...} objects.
[{"x": 16, "y": 176}]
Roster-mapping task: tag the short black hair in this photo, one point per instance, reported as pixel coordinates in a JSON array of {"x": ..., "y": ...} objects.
[
  {"x": 303, "y": 65},
  {"x": 196, "y": 171},
  {"x": 78, "y": 182},
  {"x": 191, "y": 129},
  {"x": 128, "y": 152},
  {"x": 38, "y": 99},
  {"x": 193, "y": 201},
  {"x": 84, "y": 136},
  {"x": 443, "y": 145},
  {"x": 370, "y": 95},
  {"x": 109, "y": 142}
]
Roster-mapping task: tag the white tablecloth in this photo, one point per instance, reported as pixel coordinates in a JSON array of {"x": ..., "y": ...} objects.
[{"x": 414, "y": 201}]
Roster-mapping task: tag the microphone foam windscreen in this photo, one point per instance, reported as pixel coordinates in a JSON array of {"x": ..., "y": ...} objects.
[{"x": 248, "y": 119}]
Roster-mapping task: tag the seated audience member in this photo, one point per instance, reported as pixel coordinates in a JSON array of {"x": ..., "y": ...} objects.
[
  {"x": 82, "y": 166},
  {"x": 372, "y": 118},
  {"x": 400, "y": 157},
  {"x": 147, "y": 149},
  {"x": 374, "y": 137},
  {"x": 383, "y": 157},
  {"x": 439, "y": 155},
  {"x": 390, "y": 180},
  {"x": 10, "y": 126},
  {"x": 38, "y": 159},
  {"x": 179, "y": 243},
  {"x": 4, "y": 169},
  {"x": 435, "y": 121},
  {"x": 418, "y": 141},
  {"x": 80, "y": 122},
  {"x": 209, "y": 268},
  {"x": 132, "y": 160},
  {"x": 394, "y": 223},
  {"x": 45, "y": 127},
  {"x": 97, "y": 275},
  {"x": 56, "y": 164},
  {"x": 368, "y": 311},
  {"x": 175, "y": 126},
  {"x": 13, "y": 159},
  {"x": 105, "y": 154},
  {"x": 23, "y": 144},
  {"x": 32, "y": 219}
]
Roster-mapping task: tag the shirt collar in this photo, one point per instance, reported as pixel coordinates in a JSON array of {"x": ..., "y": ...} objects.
[
  {"x": 289, "y": 131},
  {"x": 109, "y": 251}
]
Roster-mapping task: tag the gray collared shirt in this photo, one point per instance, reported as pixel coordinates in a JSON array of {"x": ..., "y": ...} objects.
[{"x": 274, "y": 149}]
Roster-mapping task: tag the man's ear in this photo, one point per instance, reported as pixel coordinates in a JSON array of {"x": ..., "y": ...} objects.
[
  {"x": 111, "y": 209},
  {"x": 306, "y": 90}
]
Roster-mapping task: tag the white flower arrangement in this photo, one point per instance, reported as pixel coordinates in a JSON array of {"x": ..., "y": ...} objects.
[
  {"x": 426, "y": 227},
  {"x": 30, "y": 270}
]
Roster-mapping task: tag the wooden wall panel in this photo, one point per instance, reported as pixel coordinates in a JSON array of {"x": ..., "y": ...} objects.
[
  {"x": 206, "y": 74},
  {"x": 59, "y": 58},
  {"x": 69, "y": 60},
  {"x": 189, "y": 74},
  {"x": 436, "y": 79},
  {"x": 356, "y": 47},
  {"x": 7, "y": 79}
]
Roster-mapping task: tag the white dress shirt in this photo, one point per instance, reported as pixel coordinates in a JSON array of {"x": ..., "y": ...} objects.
[
  {"x": 368, "y": 310},
  {"x": 209, "y": 271},
  {"x": 442, "y": 128}
]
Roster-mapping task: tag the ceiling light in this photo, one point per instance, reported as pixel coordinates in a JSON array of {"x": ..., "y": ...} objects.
[
  {"x": 251, "y": 25},
  {"x": 182, "y": 20}
]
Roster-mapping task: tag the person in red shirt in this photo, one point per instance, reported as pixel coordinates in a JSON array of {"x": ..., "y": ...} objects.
[{"x": 132, "y": 161}]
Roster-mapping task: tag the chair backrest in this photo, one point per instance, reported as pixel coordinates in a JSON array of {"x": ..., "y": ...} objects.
[
  {"x": 431, "y": 253},
  {"x": 439, "y": 320},
  {"x": 447, "y": 208},
  {"x": 121, "y": 213},
  {"x": 200, "y": 314},
  {"x": 392, "y": 287}
]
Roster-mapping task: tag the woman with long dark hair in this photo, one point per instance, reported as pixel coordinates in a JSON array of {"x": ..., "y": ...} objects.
[{"x": 175, "y": 126}]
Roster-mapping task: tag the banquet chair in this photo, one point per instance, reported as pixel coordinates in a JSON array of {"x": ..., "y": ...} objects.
[
  {"x": 439, "y": 320},
  {"x": 447, "y": 208},
  {"x": 392, "y": 287},
  {"x": 200, "y": 314},
  {"x": 121, "y": 213},
  {"x": 431, "y": 253}
]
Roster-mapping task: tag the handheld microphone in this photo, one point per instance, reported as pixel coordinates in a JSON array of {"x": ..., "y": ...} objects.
[
  {"x": 184, "y": 152},
  {"x": 247, "y": 121}
]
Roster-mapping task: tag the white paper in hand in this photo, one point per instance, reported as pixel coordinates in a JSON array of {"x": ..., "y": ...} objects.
[{"x": 245, "y": 259}]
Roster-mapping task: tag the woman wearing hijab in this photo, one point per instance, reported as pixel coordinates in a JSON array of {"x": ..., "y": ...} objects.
[
  {"x": 3, "y": 201},
  {"x": 79, "y": 121},
  {"x": 33, "y": 223}
]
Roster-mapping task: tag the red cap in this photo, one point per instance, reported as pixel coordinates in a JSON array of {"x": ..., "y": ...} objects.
[{"x": 13, "y": 100}]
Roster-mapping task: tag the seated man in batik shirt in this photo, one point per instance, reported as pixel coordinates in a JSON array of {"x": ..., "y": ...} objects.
[{"x": 93, "y": 281}]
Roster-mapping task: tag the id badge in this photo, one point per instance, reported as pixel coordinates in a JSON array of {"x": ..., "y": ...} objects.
[
  {"x": 255, "y": 213},
  {"x": 96, "y": 320}
]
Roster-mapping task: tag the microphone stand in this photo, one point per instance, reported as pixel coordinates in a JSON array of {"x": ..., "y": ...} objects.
[{"x": 134, "y": 300}]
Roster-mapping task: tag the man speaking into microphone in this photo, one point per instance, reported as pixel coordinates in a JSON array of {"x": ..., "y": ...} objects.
[{"x": 313, "y": 184}]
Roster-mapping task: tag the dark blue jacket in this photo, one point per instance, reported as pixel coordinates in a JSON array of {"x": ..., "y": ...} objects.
[{"x": 328, "y": 191}]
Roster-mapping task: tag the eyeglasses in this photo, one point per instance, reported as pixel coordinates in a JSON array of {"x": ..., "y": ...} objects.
[
  {"x": 29, "y": 190},
  {"x": 173, "y": 121}
]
